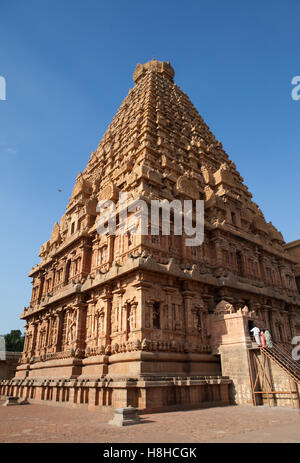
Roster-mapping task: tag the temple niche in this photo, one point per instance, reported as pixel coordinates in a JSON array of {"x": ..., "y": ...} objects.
[{"x": 143, "y": 319}]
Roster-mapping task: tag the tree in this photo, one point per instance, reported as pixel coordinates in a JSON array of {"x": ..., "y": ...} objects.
[{"x": 14, "y": 341}]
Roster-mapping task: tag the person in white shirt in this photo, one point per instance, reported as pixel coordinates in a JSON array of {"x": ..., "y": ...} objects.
[{"x": 256, "y": 332}]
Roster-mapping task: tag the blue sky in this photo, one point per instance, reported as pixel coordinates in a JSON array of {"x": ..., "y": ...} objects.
[{"x": 68, "y": 65}]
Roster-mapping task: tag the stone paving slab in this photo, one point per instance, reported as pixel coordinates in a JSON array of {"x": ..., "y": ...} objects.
[{"x": 37, "y": 423}]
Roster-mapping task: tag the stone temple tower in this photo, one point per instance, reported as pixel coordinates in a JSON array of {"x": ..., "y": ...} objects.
[{"x": 144, "y": 319}]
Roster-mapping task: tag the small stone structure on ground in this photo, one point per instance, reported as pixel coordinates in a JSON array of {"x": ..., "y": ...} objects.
[
  {"x": 11, "y": 401},
  {"x": 125, "y": 416}
]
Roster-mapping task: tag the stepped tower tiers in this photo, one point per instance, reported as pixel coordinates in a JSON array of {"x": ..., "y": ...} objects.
[{"x": 144, "y": 320}]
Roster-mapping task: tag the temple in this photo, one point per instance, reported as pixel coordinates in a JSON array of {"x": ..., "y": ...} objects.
[{"x": 144, "y": 320}]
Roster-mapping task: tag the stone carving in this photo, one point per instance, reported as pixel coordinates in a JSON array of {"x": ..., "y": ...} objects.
[
  {"x": 173, "y": 346},
  {"x": 207, "y": 175},
  {"x": 131, "y": 320},
  {"x": 72, "y": 323},
  {"x": 197, "y": 320},
  {"x": 223, "y": 308},
  {"x": 245, "y": 310},
  {"x": 55, "y": 237},
  {"x": 108, "y": 350},
  {"x": 187, "y": 187},
  {"x": 53, "y": 331},
  {"x": 82, "y": 185},
  {"x": 110, "y": 192}
]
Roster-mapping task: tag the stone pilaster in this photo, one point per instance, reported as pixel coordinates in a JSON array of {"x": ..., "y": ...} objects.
[
  {"x": 169, "y": 290},
  {"x": 107, "y": 299},
  {"x": 187, "y": 297}
]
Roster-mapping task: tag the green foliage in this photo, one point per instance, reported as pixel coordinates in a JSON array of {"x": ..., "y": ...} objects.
[{"x": 14, "y": 341}]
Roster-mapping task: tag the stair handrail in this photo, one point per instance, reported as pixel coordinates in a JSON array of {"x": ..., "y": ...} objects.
[
  {"x": 288, "y": 357},
  {"x": 271, "y": 353},
  {"x": 284, "y": 359}
]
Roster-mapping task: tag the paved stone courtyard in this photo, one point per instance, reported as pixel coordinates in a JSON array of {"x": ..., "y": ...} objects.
[{"x": 49, "y": 424}]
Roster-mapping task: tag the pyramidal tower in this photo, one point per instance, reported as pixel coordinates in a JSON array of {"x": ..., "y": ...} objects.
[{"x": 144, "y": 319}]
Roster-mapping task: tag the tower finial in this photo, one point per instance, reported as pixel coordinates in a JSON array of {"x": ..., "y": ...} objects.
[{"x": 163, "y": 67}]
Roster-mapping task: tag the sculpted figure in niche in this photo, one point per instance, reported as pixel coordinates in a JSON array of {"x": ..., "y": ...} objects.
[
  {"x": 88, "y": 324},
  {"x": 156, "y": 315},
  {"x": 30, "y": 341},
  {"x": 101, "y": 323},
  {"x": 72, "y": 326},
  {"x": 131, "y": 320},
  {"x": 198, "y": 321},
  {"x": 112, "y": 320},
  {"x": 54, "y": 332},
  {"x": 42, "y": 338},
  {"x": 27, "y": 342}
]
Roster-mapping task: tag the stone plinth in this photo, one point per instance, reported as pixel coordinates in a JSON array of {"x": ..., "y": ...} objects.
[
  {"x": 125, "y": 417},
  {"x": 11, "y": 401},
  {"x": 151, "y": 394}
]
